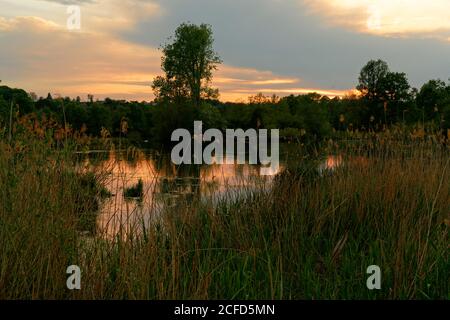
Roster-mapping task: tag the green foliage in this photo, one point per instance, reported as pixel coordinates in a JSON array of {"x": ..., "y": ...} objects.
[
  {"x": 99, "y": 117},
  {"x": 395, "y": 87},
  {"x": 371, "y": 78},
  {"x": 396, "y": 95},
  {"x": 169, "y": 117},
  {"x": 4, "y": 112},
  {"x": 309, "y": 112},
  {"x": 445, "y": 121},
  {"x": 19, "y": 97},
  {"x": 309, "y": 236},
  {"x": 77, "y": 115},
  {"x": 387, "y": 94},
  {"x": 211, "y": 117},
  {"x": 188, "y": 63},
  {"x": 432, "y": 98}
]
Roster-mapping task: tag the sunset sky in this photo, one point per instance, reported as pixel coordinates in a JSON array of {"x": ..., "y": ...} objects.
[{"x": 270, "y": 46}]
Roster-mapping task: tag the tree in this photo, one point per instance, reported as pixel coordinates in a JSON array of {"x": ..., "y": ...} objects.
[
  {"x": 395, "y": 87},
  {"x": 188, "y": 63},
  {"x": 386, "y": 93},
  {"x": 371, "y": 78},
  {"x": 211, "y": 117},
  {"x": 4, "y": 113},
  {"x": 395, "y": 92},
  {"x": 77, "y": 115},
  {"x": 19, "y": 98},
  {"x": 99, "y": 116},
  {"x": 432, "y": 97},
  {"x": 260, "y": 98}
]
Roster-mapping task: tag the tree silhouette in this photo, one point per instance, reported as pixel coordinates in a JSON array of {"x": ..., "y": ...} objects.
[
  {"x": 432, "y": 97},
  {"x": 385, "y": 92},
  {"x": 371, "y": 78},
  {"x": 188, "y": 63}
]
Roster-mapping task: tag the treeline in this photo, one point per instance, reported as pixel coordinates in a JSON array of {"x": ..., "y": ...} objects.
[{"x": 309, "y": 116}]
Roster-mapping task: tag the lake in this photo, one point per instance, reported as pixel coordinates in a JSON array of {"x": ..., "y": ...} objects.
[{"x": 166, "y": 186}]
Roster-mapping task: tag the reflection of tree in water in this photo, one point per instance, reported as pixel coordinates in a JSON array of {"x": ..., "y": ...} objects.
[
  {"x": 179, "y": 186},
  {"x": 131, "y": 160},
  {"x": 162, "y": 164},
  {"x": 166, "y": 186}
]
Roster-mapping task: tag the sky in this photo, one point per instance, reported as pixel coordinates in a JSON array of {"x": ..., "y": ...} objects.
[{"x": 271, "y": 46}]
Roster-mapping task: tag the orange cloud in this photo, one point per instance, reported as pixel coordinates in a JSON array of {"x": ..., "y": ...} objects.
[
  {"x": 237, "y": 84},
  {"x": 44, "y": 57}
]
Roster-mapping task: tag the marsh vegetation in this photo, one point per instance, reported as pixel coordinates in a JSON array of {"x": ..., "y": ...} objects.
[{"x": 311, "y": 235}]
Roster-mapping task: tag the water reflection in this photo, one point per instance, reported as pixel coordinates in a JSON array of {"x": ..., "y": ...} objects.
[{"x": 167, "y": 186}]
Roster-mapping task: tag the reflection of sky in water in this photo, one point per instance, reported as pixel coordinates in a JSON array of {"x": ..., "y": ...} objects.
[{"x": 167, "y": 186}]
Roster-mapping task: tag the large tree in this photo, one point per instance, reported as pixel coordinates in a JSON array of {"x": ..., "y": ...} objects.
[
  {"x": 188, "y": 62},
  {"x": 371, "y": 79},
  {"x": 387, "y": 93},
  {"x": 396, "y": 96},
  {"x": 395, "y": 87}
]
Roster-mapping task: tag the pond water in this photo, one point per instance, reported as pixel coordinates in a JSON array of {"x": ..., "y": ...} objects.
[{"x": 166, "y": 186}]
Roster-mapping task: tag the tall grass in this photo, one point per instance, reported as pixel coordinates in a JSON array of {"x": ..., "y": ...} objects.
[{"x": 311, "y": 236}]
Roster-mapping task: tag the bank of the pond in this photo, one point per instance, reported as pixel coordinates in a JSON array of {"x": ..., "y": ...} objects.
[{"x": 309, "y": 236}]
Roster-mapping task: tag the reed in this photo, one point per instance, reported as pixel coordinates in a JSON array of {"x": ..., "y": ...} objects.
[{"x": 311, "y": 236}]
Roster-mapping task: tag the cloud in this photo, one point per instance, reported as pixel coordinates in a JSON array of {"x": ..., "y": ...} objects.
[
  {"x": 118, "y": 15},
  {"x": 271, "y": 46},
  {"x": 237, "y": 84},
  {"x": 387, "y": 17},
  {"x": 69, "y": 2},
  {"x": 96, "y": 15},
  {"x": 41, "y": 55},
  {"x": 18, "y": 23},
  {"x": 44, "y": 57}
]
